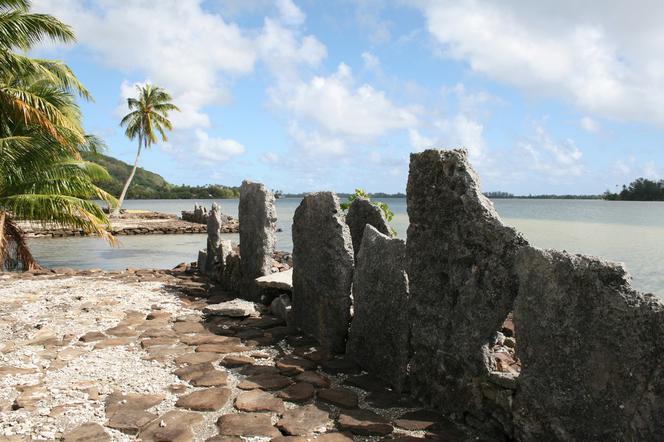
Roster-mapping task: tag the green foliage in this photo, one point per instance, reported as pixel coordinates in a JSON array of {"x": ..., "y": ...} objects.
[
  {"x": 641, "y": 189},
  {"x": 43, "y": 177},
  {"x": 146, "y": 121},
  {"x": 149, "y": 185},
  {"x": 361, "y": 193}
]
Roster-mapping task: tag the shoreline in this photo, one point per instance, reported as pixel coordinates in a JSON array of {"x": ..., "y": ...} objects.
[{"x": 130, "y": 223}]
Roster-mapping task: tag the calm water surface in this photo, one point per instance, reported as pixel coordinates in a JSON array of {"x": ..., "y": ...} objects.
[{"x": 624, "y": 231}]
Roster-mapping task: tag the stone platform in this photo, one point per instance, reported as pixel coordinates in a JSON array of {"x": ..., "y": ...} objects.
[{"x": 123, "y": 356}]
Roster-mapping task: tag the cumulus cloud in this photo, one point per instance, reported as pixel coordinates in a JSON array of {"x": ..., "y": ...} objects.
[
  {"x": 339, "y": 106},
  {"x": 552, "y": 157},
  {"x": 601, "y": 59},
  {"x": 193, "y": 60},
  {"x": 589, "y": 124},
  {"x": 214, "y": 150}
]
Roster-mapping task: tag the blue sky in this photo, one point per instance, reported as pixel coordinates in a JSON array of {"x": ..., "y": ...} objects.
[{"x": 303, "y": 95}]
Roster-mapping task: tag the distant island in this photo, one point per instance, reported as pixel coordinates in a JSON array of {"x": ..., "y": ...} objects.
[
  {"x": 641, "y": 189},
  {"x": 149, "y": 185},
  {"x": 507, "y": 195}
]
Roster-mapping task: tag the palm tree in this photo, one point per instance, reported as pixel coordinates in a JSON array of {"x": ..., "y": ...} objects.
[
  {"x": 42, "y": 175},
  {"x": 148, "y": 117}
]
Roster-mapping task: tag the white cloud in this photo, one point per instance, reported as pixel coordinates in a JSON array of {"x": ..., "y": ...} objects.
[
  {"x": 602, "y": 59},
  {"x": 589, "y": 124},
  {"x": 180, "y": 46},
  {"x": 270, "y": 158},
  {"x": 216, "y": 150},
  {"x": 313, "y": 142},
  {"x": 371, "y": 62},
  {"x": 338, "y": 106},
  {"x": 553, "y": 158},
  {"x": 289, "y": 13}
]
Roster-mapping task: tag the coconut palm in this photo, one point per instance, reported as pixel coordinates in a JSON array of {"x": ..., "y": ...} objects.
[
  {"x": 42, "y": 175},
  {"x": 147, "y": 121}
]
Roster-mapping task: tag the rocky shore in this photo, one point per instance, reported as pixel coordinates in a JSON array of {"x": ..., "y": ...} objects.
[
  {"x": 167, "y": 355},
  {"x": 132, "y": 223}
]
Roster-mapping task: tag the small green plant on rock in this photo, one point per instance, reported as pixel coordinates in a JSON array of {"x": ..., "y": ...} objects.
[{"x": 361, "y": 193}]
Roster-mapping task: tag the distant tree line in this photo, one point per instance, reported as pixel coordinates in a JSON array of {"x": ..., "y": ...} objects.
[
  {"x": 499, "y": 195},
  {"x": 641, "y": 189}
]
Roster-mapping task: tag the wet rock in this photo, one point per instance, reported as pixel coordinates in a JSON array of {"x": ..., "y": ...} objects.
[
  {"x": 88, "y": 432},
  {"x": 304, "y": 421},
  {"x": 592, "y": 351},
  {"x": 381, "y": 320},
  {"x": 322, "y": 270},
  {"x": 460, "y": 261},
  {"x": 247, "y": 425},
  {"x": 360, "y": 213},
  {"x": 299, "y": 392},
  {"x": 210, "y": 399},
  {"x": 341, "y": 397},
  {"x": 265, "y": 382},
  {"x": 257, "y": 400},
  {"x": 258, "y": 218},
  {"x": 174, "y": 426},
  {"x": 364, "y": 423}
]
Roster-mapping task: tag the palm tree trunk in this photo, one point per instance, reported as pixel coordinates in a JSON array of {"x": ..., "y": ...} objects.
[
  {"x": 10, "y": 231},
  {"x": 116, "y": 212}
]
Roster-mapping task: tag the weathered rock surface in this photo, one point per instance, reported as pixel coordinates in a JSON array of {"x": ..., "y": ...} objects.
[
  {"x": 282, "y": 308},
  {"x": 258, "y": 221},
  {"x": 364, "y": 423},
  {"x": 592, "y": 352},
  {"x": 247, "y": 425},
  {"x": 257, "y": 400},
  {"x": 380, "y": 331},
  {"x": 300, "y": 392},
  {"x": 460, "y": 265},
  {"x": 279, "y": 281},
  {"x": 173, "y": 426},
  {"x": 210, "y": 399},
  {"x": 213, "y": 240},
  {"x": 322, "y": 270},
  {"x": 341, "y": 397},
  {"x": 88, "y": 432},
  {"x": 237, "y": 308},
  {"x": 304, "y": 421},
  {"x": 360, "y": 213}
]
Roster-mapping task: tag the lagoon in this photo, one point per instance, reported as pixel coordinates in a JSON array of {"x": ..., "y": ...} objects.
[{"x": 630, "y": 232}]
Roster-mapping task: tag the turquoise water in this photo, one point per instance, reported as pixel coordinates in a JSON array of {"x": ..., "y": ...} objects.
[{"x": 627, "y": 232}]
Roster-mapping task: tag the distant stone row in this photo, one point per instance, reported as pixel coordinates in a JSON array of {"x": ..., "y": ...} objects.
[{"x": 425, "y": 315}]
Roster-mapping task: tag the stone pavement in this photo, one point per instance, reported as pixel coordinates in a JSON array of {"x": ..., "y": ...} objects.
[{"x": 100, "y": 356}]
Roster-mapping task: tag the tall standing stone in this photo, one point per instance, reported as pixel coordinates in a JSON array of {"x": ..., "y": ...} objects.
[
  {"x": 592, "y": 352},
  {"x": 360, "y": 213},
  {"x": 322, "y": 270},
  {"x": 258, "y": 221},
  {"x": 460, "y": 265},
  {"x": 213, "y": 239},
  {"x": 379, "y": 334}
]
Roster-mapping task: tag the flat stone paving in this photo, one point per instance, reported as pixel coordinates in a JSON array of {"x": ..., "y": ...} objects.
[{"x": 125, "y": 356}]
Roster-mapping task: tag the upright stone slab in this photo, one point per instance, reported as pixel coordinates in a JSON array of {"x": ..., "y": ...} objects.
[
  {"x": 460, "y": 265},
  {"x": 360, "y": 213},
  {"x": 322, "y": 270},
  {"x": 213, "y": 239},
  {"x": 258, "y": 220},
  {"x": 592, "y": 352},
  {"x": 380, "y": 332}
]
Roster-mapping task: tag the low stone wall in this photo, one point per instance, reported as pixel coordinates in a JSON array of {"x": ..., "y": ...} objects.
[{"x": 519, "y": 343}]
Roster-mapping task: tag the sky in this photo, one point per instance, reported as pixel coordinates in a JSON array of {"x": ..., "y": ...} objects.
[{"x": 552, "y": 96}]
